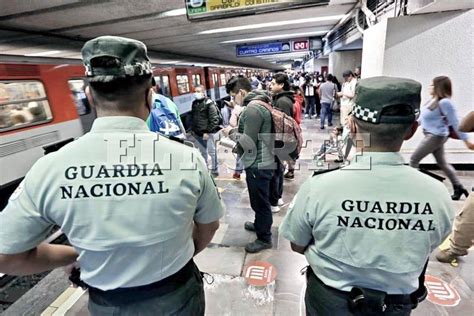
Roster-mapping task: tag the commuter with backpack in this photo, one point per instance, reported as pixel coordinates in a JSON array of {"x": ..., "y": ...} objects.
[
  {"x": 206, "y": 119},
  {"x": 282, "y": 100},
  {"x": 261, "y": 127},
  {"x": 257, "y": 157}
]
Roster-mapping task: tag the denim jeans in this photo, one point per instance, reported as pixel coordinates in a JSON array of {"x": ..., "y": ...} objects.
[
  {"x": 310, "y": 104},
  {"x": 276, "y": 185},
  {"x": 434, "y": 144},
  {"x": 239, "y": 165},
  {"x": 212, "y": 150},
  {"x": 206, "y": 147},
  {"x": 326, "y": 112},
  {"x": 258, "y": 184}
]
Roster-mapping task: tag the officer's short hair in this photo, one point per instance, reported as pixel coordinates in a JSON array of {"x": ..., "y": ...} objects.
[
  {"x": 120, "y": 89},
  {"x": 238, "y": 83},
  {"x": 387, "y": 134}
]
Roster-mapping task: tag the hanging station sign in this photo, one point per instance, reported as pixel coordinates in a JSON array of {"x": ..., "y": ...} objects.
[
  {"x": 217, "y": 9},
  {"x": 271, "y": 48}
]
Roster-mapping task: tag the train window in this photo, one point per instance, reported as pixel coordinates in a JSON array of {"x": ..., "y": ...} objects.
[
  {"x": 223, "y": 80},
  {"x": 196, "y": 80},
  {"x": 214, "y": 79},
  {"x": 163, "y": 82},
  {"x": 183, "y": 84},
  {"x": 77, "y": 87},
  {"x": 23, "y": 103}
]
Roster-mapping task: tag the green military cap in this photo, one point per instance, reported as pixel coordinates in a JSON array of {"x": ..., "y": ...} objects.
[
  {"x": 128, "y": 58},
  {"x": 376, "y": 100}
]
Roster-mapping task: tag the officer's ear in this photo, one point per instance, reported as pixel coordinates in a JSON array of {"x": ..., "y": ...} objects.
[
  {"x": 88, "y": 92},
  {"x": 150, "y": 98},
  {"x": 411, "y": 131}
]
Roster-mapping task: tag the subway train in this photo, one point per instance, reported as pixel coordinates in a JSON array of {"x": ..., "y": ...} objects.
[{"x": 45, "y": 105}]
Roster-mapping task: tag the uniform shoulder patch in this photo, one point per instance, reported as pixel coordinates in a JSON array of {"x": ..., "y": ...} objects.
[{"x": 318, "y": 172}]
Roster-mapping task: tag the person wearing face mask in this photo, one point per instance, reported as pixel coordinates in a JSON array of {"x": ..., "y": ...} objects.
[
  {"x": 256, "y": 150},
  {"x": 204, "y": 123},
  {"x": 133, "y": 222}
]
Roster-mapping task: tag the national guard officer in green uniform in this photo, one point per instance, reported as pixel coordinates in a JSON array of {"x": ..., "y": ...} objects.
[
  {"x": 368, "y": 229},
  {"x": 136, "y": 207}
]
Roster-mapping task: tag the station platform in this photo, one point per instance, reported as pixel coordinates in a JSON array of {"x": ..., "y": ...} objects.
[{"x": 226, "y": 258}]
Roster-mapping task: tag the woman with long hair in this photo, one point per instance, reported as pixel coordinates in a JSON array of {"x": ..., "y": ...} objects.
[{"x": 436, "y": 118}]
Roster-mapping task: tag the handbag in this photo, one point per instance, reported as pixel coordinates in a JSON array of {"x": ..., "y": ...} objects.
[
  {"x": 452, "y": 132},
  {"x": 335, "y": 105}
]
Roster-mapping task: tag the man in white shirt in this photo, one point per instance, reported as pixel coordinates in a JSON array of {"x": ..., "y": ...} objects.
[{"x": 347, "y": 95}]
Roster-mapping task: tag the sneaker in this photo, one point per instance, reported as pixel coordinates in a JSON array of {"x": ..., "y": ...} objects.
[
  {"x": 314, "y": 116},
  {"x": 290, "y": 175},
  {"x": 322, "y": 127},
  {"x": 258, "y": 245},
  {"x": 446, "y": 256},
  {"x": 275, "y": 209},
  {"x": 306, "y": 116},
  {"x": 236, "y": 176},
  {"x": 280, "y": 202},
  {"x": 330, "y": 124},
  {"x": 249, "y": 226}
]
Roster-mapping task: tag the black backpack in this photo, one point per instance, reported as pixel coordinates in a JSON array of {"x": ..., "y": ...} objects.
[{"x": 209, "y": 102}]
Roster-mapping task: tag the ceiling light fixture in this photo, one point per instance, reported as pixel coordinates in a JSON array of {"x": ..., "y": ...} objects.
[
  {"x": 175, "y": 12},
  {"x": 45, "y": 53},
  {"x": 270, "y": 24},
  {"x": 163, "y": 62},
  {"x": 279, "y": 36}
]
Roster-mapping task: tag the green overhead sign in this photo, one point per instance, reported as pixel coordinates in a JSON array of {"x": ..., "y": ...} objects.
[{"x": 216, "y": 9}]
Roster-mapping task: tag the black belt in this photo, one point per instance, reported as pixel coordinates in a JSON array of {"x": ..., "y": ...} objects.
[
  {"x": 355, "y": 295},
  {"x": 127, "y": 295}
]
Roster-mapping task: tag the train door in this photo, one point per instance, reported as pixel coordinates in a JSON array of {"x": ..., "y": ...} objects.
[
  {"x": 86, "y": 113},
  {"x": 324, "y": 71},
  {"x": 215, "y": 81},
  {"x": 222, "y": 83},
  {"x": 196, "y": 80},
  {"x": 163, "y": 82}
]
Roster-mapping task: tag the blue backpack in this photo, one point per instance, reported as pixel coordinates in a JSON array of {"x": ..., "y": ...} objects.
[{"x": 163, "y": 120}]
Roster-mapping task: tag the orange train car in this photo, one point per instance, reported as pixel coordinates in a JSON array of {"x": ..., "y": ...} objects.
[
  {"x": 45, "y": 104},
  {"x": 39, "y": 105}
]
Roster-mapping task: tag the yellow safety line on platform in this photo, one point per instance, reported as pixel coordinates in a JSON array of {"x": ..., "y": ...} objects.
[{"x": 67, "y": 299}]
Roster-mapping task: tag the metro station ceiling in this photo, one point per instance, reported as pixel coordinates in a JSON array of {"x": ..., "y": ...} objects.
[{"x": 58, "y": 28}]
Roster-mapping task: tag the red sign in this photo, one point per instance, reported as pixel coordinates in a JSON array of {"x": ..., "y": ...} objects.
[
  {"x": 300, "y": 45},
  {"x": 259, "y": 273},
  {"x": 440, "y": 292}
]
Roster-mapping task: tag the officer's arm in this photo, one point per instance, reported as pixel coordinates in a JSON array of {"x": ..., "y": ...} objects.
[
  {"x": 23, "y": 226},
  {"x": 297, "y": 248},
  {"x": 44, "y": 257},
  {"x": 297, "y": 226},
  {"x": 203, "y": 234}
]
